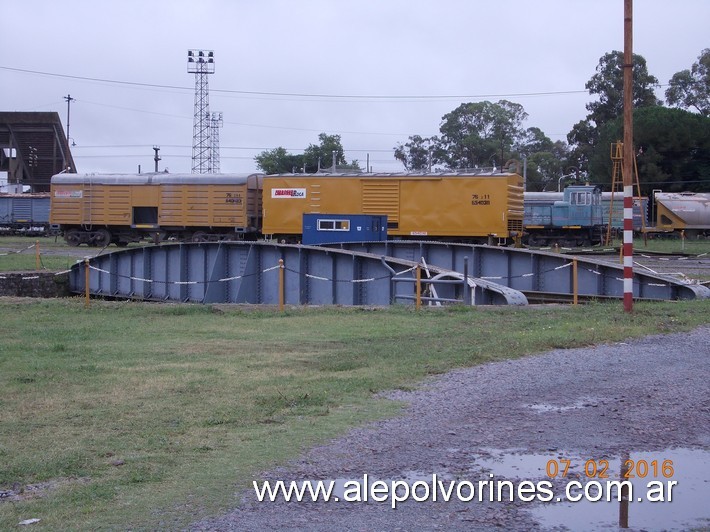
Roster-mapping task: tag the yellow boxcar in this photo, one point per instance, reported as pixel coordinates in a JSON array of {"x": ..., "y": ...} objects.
[
  {"x": 456, "y": 206},
  {"x": 100, "y": 209}
]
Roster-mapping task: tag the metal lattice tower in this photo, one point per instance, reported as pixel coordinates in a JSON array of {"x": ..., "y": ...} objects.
[
  {"x": 215, "y": 123},
  {"x": 201, "y": 63}
]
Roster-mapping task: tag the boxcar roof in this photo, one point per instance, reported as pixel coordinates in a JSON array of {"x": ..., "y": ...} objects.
[
  {"x": 151, "y": 179},
  {"x": 380, "y": 175}
]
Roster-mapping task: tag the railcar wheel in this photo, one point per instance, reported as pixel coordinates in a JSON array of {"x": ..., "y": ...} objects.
[
  {"x": 102, "y": 238},
  {"x": 73, "y": 237},
  {"x": 568, "y": 242},
  {"x": 536, "y": 241},
  {"x": 199, "y": 236},
  {"x": 159, "y": 236}
]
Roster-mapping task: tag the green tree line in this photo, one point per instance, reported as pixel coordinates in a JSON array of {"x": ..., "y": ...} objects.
[{"x": 672, "y": 141}]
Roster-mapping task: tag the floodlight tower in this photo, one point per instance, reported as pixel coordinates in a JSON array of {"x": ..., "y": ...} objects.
[
  {"x": 215, "y": 123},
  {"x": 201, "y": 63}
]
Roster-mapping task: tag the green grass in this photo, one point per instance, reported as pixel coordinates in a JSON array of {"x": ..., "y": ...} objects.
[
  {"x": 27, "y": 261},
  {"x": 142, "y": 415},
  {"x": 20, "y": 254},
  {"x": 671, "y": 244}
]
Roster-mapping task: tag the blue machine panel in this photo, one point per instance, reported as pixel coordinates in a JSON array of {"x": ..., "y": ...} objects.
[{"x": 336, "y": 228}]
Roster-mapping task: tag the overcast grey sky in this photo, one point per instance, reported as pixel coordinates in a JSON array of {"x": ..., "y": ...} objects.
[{"x": 373, "y": 71}]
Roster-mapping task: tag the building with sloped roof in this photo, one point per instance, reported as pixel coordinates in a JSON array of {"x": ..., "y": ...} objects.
[{"x": 33, "y": 147}]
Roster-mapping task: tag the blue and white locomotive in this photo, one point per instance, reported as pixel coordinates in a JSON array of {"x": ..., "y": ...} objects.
[{"x": 570, "y": 219}]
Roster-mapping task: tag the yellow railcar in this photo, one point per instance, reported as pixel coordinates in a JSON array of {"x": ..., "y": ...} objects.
[
  {"x": 457, "y": 206},
  {"x": 100, "y": 209}
]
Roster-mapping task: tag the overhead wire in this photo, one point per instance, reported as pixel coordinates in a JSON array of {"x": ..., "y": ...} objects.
[
  {"x": 300, "y": 95},
  {"x": 273, "y": 94}
]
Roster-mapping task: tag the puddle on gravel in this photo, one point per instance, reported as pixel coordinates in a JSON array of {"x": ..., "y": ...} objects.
[
  {"x": 687, "y": 509},
  {"x": 583, "y": 402}
]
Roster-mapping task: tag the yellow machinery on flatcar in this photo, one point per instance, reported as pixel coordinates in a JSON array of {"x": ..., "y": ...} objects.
[
  {"x": 101, "y": 209},
  {"x": 455, "y": 206}
]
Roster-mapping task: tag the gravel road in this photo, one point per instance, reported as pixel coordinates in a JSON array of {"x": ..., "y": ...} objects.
[{"x": 508, "y": 419}]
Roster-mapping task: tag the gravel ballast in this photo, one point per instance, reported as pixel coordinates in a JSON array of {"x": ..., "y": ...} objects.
[{"x": 594, "y": 403}]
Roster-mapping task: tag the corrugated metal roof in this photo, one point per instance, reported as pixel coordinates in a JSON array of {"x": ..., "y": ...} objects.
[{"x": 151, "y": 179}]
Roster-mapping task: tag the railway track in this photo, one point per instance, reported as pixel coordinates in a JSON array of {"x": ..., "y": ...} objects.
[{"x": 680, "y": 266}]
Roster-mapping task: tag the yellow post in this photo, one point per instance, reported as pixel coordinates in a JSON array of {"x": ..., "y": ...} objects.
[
  {"x": 419, "y": 287},
  {"x": 575, "y": 286},
  {"x": 281, "y": 284},
  {"x": 86, "y": 283},
  {"x": 37, "y": 255}
]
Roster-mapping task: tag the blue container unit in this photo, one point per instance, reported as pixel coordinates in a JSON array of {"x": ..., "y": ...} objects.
[
  {"x": 23, "y": 211},
  {"x": 5, "y": 210},
  {"x": 31, "y": 210},
  {"x": 335, "y": 228}
]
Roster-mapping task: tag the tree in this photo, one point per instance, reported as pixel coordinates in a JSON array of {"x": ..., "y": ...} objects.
[
  {"x": 278, "y": 161},
  {"x": 673, "y": 148},
  {"x": 533, "y": 140},
  {"x": 320, "y": 156},
  {"x": 483, "y": 134},
  {"x": 546, "y": 160},
  {"x": 691, "y": 88},
  {"x": 582, "y": 141},
  {"x": 476, "y": 134},
  {"x": 314, "y": 158},
  {"x": 419, "y": 153},
  {"x": 607, "y": 84}
]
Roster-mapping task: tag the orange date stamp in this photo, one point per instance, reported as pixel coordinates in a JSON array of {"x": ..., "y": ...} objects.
[{"x": 600, "y": 468}]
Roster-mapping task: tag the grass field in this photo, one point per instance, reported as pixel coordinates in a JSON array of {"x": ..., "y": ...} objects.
[
  {"x": 670, "y": 244},
  {"x": 144, "y": 416},
  {"x": 20, "y": 254}
]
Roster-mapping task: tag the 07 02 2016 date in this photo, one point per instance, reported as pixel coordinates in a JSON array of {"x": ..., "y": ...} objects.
[{"x": 600, "y": 468}]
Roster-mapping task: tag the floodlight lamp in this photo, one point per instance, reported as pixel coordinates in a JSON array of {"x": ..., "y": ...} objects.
[
  {"x": 201, "y": 53},
  {"x": 189, "y": 53},
  {"x": 210, "y": 54}
]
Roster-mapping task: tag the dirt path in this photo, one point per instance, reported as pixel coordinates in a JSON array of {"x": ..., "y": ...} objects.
[{"x": 508, "y": 419}]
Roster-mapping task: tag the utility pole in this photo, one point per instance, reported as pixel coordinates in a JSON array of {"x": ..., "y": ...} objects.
[
  {"x": 69, "y": 100},
  {"x": 156, "y": 158},
  {"x": 627, "y": 168}
]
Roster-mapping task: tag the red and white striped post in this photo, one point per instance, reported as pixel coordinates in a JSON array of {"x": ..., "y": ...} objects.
[
  {"x": 627, "y": 167},
  {"x": 628, "y": 249}
]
